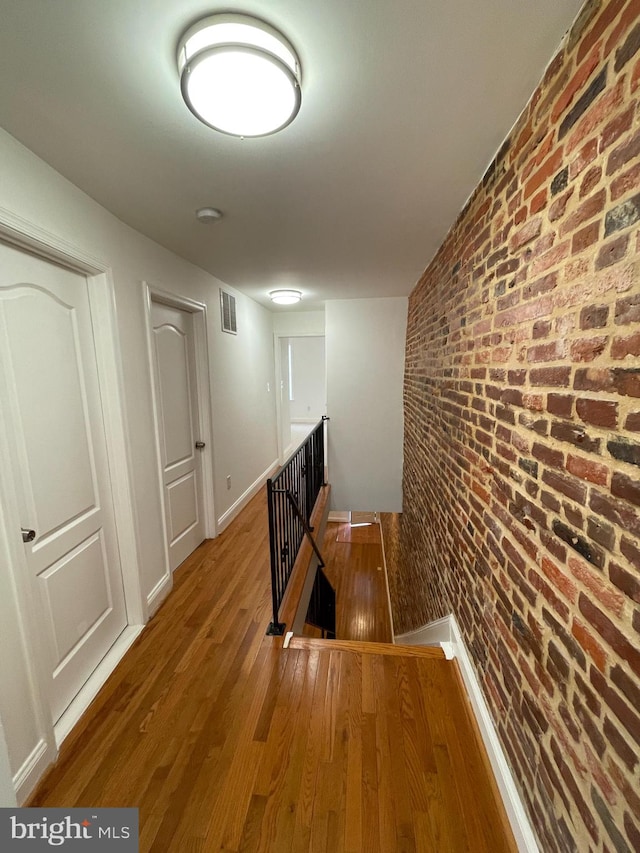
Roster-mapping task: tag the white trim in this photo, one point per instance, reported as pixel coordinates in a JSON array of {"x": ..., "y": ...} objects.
[
  {"x": 111, "y": 383},
  {"x": 26, "y": 235},
  {"x": 339, "y": 517},
  {"x": 198, "y": 312},
  {"x": 95, "y": 682},
  {"x": 158, "y": 594},
  {"x": 26, "y": 779},
  {"x": 386, "y": 581},
  {"x": 434, "y": 634},
  {"x": 446, "y": 632},
  {"x": 225, "y": 520},
  {"x": 306, "y": 420}
]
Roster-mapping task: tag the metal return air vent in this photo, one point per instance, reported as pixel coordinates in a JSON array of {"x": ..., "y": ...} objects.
[{"x": 228, "y": 312}]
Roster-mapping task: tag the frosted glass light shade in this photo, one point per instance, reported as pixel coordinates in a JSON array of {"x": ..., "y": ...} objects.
[
  {"x": 239, "y": 75},
  {"x": 285, "y": 297}
]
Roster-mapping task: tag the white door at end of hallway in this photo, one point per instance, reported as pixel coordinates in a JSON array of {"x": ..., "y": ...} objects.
[
  {"x": 52, "y": 414},
  {"x": 178, "y": 424}
]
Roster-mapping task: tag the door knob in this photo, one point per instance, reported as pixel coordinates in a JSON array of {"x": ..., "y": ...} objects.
[
  {"x": 200, "y": 445},
  {"x": 28, "y": 535}
]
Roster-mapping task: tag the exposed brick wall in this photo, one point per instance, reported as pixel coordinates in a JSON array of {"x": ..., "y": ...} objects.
[{"x": 522, "y": 446}]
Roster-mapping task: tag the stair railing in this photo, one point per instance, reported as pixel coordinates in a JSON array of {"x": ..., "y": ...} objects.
[{"x": 291, "y": 496}]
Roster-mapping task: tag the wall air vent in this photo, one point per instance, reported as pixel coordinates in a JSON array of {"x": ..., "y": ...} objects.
[{"x": 228, "y": 312}]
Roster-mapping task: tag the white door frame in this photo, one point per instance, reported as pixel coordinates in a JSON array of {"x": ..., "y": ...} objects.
[
  {"x": 277, "y": 337},
  {"x": 198, "y": 311},
  {"x": 19, "y": 232}
]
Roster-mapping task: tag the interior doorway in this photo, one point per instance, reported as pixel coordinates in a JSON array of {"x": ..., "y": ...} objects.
[
  {"x": 178, "y": 354},
  {"x": 301, "y": 401}
]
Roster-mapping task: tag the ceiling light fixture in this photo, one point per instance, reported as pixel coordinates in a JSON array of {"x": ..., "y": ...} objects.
[
  {"x": 239, "y": 75},
  {"x": 285, "y": 297},
  {"x": 207, "y": 215}
]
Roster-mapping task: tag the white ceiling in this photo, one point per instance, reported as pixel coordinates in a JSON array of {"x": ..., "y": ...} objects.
[{"x": 404, "y": 103}]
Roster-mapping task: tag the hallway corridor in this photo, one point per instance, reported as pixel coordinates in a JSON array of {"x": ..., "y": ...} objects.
[{"x": 226, "y": 741}]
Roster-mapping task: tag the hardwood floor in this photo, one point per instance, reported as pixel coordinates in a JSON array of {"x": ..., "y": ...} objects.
[
  {"x": 226, "y": 741},
  {"x": 355, "y": 568}
]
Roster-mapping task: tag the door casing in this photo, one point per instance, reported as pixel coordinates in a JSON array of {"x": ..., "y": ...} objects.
[{"x": 198, "y": 311}]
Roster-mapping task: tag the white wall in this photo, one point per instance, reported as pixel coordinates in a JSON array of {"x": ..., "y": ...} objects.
[
  {"x": 288, "y": 323},
  {"x": 309, "y": 379},
  {"x": 365, "y": 340},
  {"x": 242, "y": 378}
]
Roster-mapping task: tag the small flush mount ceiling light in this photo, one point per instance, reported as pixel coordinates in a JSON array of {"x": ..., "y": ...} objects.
[
  {"x": 207, "y": 215},
  {"x": 239, "y": 75},
  {"x": 285, "y": 297}
]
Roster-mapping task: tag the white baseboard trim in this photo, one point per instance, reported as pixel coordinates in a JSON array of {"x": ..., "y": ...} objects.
[
  {"x": 339, "y": 517},
  {"x": 158, "y": 594},
  {"x": 446, "y": 632},
  {"x": 386, "y": 582},
  {"x": 227, "y": 517},
  {"x": 96, "y": 681},
  {"x": 433, "y": 634},
  {"x": 26, "y": 779}
]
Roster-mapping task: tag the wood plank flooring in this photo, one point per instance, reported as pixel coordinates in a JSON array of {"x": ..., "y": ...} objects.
[
  {"x": 226, "y": 741},
  {"x": 355, "y": 568}
]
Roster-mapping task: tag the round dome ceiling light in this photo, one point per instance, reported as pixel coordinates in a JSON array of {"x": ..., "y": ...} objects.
[
  {"x": 285, "y": 297},
  {"x": 207, "y": 215},
  {"x": 239, "y": 75}
]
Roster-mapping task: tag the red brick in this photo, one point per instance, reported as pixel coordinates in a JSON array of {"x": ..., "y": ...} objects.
[
  {"x": 622, "y": 347},
  {"x": 576, "y": 83},
  {"x": 625, "y": 487},
  {"x": 586, "y": 469},
  {"x": 552, "y": 351},
  {"x": 590, "y": 181},
  {"x": 610, "y": 634},
  {"x": 620, "y": 708},
  {"x": 544, "y": 173},
  {"x": 627, "y": 182},
  {"x": 551, "y": 258},
  {"x": 625, "y": 152},
  {"x": 587, "y": 210},
  {"x": 527, "y": 233},
  {"x": 587, "y": 349},
  {"x": 618, "y": 512},
  {"x": 560, "y": 580},
  {"x": 609, "y": 12},
  {"x": 584, "y": 158},
  {"x": 612, "y": 252},
  {"x": 558, "y": 207},
  {"x": 597, "y": 412},
  {"x": 628, "y": 310},
  {"x": 631, "y": 796},
  {"x": 586, "y": 237},
  {"x": 614, "y": 130},
  {"x": 635, "y": 77},
  {"x": 589, "y": 644},
  {"x": 548, "y": 455},
  {"x": 625, "y": 581},
  {"x": 632, "y": 422},
  {"x": 550, "y": 376},
  {"x": 541, "y": 285},
  {"x": 599, "y": 586},
  {"x": 594, "y": 317},
  {"x": 604, "y": 107},
  {"x": 539, "y": 201}
]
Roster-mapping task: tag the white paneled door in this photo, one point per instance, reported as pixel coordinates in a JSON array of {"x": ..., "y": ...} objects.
[
  {"x": 53, "y": 416},
  {"x": 179, "y": 425}
]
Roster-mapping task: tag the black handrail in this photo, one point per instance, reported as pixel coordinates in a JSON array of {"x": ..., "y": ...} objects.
[{"x": 291, "y": 495}]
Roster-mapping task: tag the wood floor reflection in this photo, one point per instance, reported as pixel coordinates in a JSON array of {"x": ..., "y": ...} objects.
[{"x": 227, "y": 741}]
